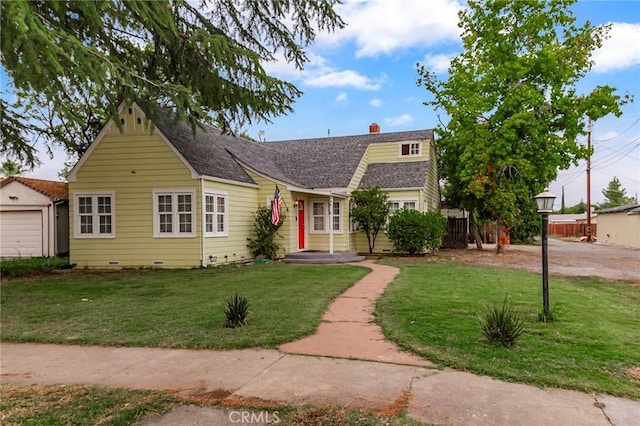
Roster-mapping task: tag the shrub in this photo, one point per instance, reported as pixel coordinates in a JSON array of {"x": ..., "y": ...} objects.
[
  {"x": 236, "y": 311},
  {"x": 33, "y": 266},
  {"x": 501, "y": 325},
  {"x": 436, "y": 229},
  {"x": 413, "y": 232},
  {"x": 370, "y": 212},
  {"x": 264, "y": 244}
]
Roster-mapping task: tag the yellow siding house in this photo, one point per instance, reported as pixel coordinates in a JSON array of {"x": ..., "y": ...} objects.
[{"x": 151, "y": 191}]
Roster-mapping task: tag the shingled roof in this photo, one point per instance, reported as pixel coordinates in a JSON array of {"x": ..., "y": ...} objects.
[
  {"x": 332, "y": 161},
  {"x": 395, "y": 175},
  {"x": 55, "y": 191},
  {"x": 308, "y": 163}
]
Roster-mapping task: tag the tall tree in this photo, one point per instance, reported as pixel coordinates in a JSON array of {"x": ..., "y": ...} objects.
[
  {"x": 615, "y": 195},
  {"x": 72, "y": 62},
  {"x": 10, "y": 168},
  {"x": 370, "y": 211},
  {"x": 514, "y": 113}
]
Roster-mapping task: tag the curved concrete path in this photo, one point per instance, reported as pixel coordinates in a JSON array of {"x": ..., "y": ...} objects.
[{"x": 347, "y": 329}]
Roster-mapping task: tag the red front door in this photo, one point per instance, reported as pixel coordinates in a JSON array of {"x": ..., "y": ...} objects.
[{"x": 300, "y": 224}]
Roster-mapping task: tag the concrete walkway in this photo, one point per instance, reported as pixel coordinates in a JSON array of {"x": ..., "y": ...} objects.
[
  {"x": 347, "y": 329},
  {"x": 259, "y": 377}
]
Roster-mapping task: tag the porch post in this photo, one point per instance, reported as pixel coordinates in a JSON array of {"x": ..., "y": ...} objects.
[{"x": 331, "y": 224}]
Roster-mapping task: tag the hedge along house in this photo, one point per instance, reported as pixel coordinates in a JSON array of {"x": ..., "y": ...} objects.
[{"x": 153, "y": 191}]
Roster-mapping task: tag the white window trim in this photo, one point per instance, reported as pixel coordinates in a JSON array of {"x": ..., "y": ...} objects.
[
  {"x": 215, "y": 213},
  {"x": 402, "y": 202},
  {"x": 419, "y": 154},
  {"x": 94, "y": 212},
  {"x": 176, "y": 225},
  {"x": 327, "y": 221}
]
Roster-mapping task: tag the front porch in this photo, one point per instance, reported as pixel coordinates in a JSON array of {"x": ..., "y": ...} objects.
[{"x": 322, "y": 257}]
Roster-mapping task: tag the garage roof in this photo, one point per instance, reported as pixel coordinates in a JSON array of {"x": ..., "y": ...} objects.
[{"x": 56, "y": 191}]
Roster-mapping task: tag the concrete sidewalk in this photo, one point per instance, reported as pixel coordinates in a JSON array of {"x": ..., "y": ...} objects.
[{"x": 443, "y": 397}]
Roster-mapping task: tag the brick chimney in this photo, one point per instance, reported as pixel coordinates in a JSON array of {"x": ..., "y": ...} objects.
[{"x": 374, "y": 128}]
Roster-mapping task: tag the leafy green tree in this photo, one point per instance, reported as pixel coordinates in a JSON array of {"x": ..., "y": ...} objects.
[
  {"x": 615, "y": 195},
  {"x": 205, "y": 61},
  {"x": 370, "y": 211},
  {"x": 581, "y": 207},
  {"x": 10, "y": 168},
  {"x": 265, "y": 232},
  {"x": 413, "y": 232},
  {"x": 514, "y": 112}
]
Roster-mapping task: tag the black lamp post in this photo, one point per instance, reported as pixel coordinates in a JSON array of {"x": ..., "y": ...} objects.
[{"x": 545, "y": 206}]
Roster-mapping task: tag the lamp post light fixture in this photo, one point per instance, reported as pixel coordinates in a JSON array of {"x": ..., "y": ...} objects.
[{"x": 545, "y": 206}]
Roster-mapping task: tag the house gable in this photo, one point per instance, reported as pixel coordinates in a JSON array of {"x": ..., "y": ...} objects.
[{"x": 133, "y": 124}]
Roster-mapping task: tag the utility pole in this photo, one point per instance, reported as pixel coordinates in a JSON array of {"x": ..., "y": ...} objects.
[{"x": 589, "y": 239}]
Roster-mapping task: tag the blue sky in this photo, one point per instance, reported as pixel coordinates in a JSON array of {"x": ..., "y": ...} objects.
[{"x": 367, "y": 73}]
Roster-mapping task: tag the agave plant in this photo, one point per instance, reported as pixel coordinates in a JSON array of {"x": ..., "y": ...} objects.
[
  {"x": 501, "y": 325},
  {"x": 236, "y": 311}
]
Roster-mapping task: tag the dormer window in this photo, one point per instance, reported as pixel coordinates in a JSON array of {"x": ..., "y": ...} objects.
[{"x": 411, "y": 149}]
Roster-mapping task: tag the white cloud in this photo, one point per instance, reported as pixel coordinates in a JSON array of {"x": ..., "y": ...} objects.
[
  {"x": 620, "y": 50},
  {"x": 347, "y": 78},
  {"x": 318, "y": 72},
  {"x": 341, "y": 98},
  {"x": 382, "y": 26},
  {"x": 399, "y": 121},
  {"x": 437, "y": 63},
  {"x": 375, "y": 102}
]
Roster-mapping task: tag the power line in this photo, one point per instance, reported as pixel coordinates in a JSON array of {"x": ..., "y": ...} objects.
[
  {"x": 619, "y": 134},
  {"x": 612, "y": 160}
]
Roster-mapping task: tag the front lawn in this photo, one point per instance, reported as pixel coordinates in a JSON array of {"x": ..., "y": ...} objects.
[
  {"x": 592, "y": 346},
  {"x": 172, "y": 308}
]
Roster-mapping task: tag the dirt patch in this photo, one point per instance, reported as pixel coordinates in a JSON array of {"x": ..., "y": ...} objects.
[
  {"x": 633, "y": 372},
  {"x": 565, "y": 259},
  {"x": 399, "y": 405}
]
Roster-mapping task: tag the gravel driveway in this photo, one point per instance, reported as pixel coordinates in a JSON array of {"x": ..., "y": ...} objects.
[{"x": 565, "y": 258}]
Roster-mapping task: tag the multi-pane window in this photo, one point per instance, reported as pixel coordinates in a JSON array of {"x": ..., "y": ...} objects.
[
  {"x": 215, "y": 216},
  {"x": 337, "y": 217},
  {"x": 396, "y": 205},
  {"x": 173, "y": 214},
  {"x": 326, "y": 216},
  {"x": 318, "y": 216},
  {"x": 94, "y": 216},
  {"x": 185, "y": 217},
  {"x": 410, "y": 149}
]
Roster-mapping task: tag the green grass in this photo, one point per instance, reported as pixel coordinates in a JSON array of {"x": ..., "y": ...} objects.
[
  {"x": 32, "y": 266},
  {"x": 432, "y": 309},
  {"x": 78, "y": 405},
  {"x": 172, "y": 308}
]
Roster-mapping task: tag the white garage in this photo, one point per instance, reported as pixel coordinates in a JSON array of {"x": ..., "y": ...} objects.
[
  {"x": 34, "y": 218},
  {"x": 22, "y": 234}
]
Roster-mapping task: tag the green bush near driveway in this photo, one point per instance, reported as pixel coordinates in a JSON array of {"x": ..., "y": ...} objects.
[
  {"x": 172, "y": 308},
  {"x": 431, "y": 309},
  {"x": 32, "y": 266}
]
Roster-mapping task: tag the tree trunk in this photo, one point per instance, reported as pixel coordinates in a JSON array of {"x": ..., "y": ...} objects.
[
  {"x": 474, "y": 231},
  {"x": 502, "y": 238}
]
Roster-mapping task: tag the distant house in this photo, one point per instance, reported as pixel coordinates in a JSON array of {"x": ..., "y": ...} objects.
[
  {"x": 620, "y": 226},
  {"x": 155, "y": 192},
  {"x": 34, "y": 217}
]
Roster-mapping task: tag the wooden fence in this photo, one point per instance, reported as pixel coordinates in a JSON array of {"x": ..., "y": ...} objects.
[
  {"x": 571, "y": 229},
  {"x": 457, "y": 234}
]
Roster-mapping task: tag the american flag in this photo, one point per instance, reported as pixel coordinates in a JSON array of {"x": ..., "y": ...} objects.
[{"x": 275, "y": 206}]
